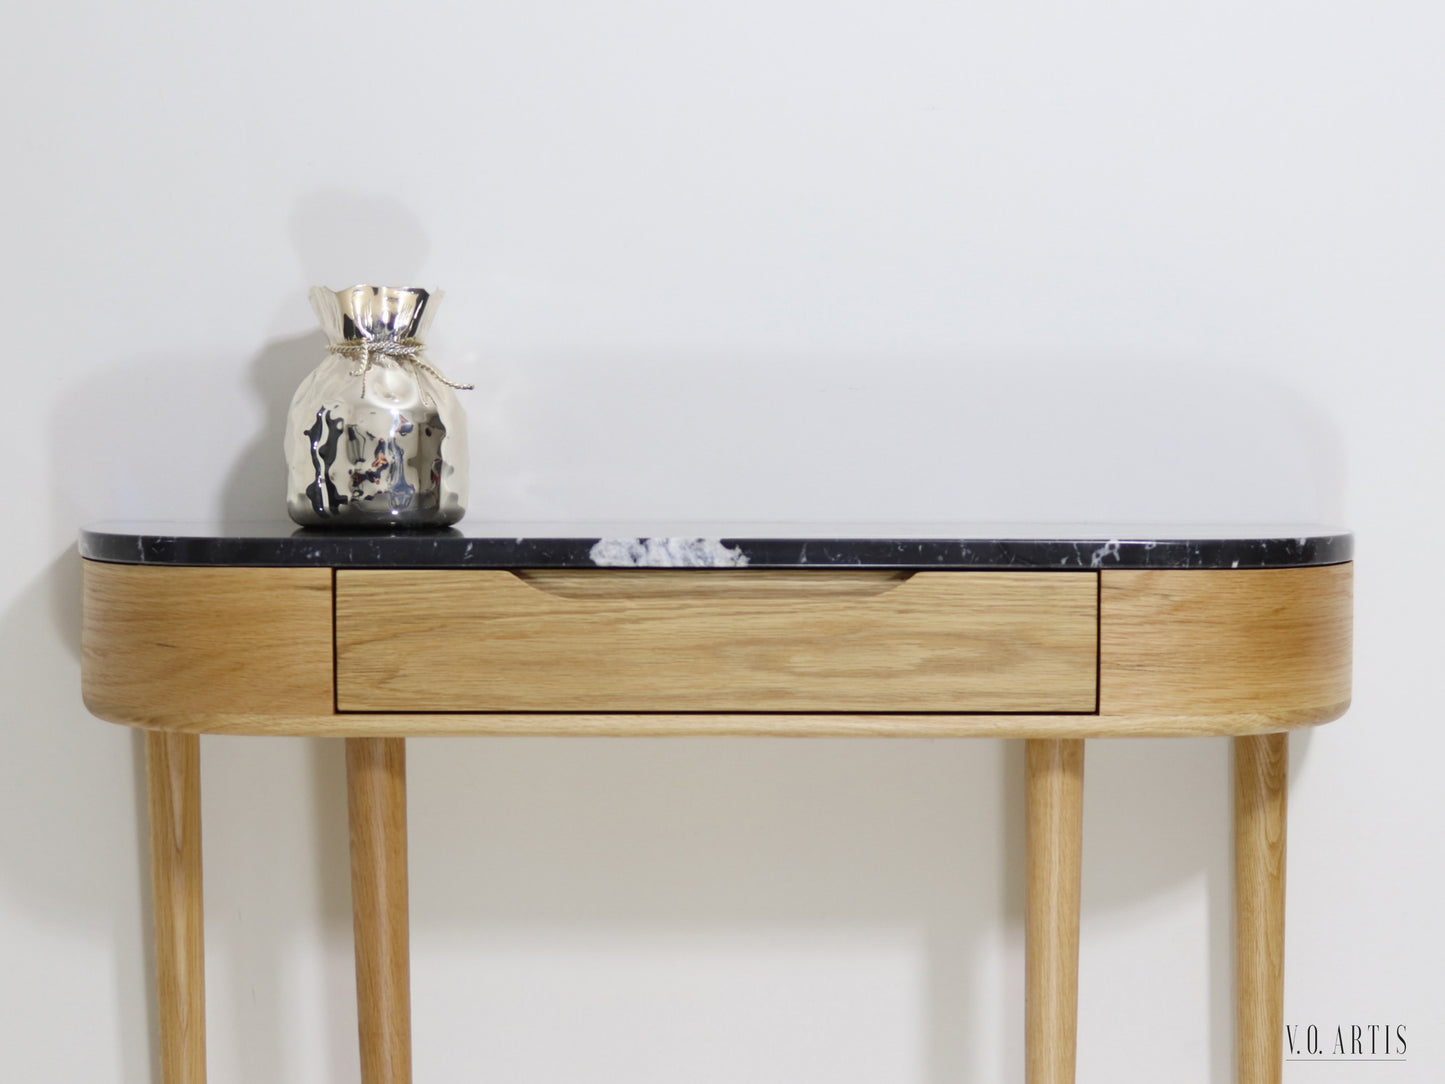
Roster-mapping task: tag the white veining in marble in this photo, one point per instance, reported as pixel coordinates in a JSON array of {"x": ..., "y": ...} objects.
[
  {"x": 1104, "y": 552},
  {"x": 666, "y": 553}
]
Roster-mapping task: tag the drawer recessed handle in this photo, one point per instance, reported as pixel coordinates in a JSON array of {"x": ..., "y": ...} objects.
[{"x": 732, "y": 584}]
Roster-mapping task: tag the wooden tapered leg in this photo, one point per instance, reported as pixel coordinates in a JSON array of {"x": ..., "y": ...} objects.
[
  {"x": 1261, "y": 767},
  {"x": 173, "y": 782},
  {"x": 376, "y": 797},
  {"x": 1054, "y": 828}
]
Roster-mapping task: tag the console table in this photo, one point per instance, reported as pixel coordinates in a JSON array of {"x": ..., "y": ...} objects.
[{"x": 1051, "y": 636}]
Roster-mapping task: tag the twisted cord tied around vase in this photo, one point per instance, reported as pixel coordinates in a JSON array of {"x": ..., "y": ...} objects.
[{"x": 405, "y": 349}]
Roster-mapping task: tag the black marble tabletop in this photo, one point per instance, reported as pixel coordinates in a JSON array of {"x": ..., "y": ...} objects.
[{"x": 682, "y": 545}]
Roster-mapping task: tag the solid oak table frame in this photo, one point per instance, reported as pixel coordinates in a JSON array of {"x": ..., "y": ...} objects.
[{"x": 1052, "y": 658}]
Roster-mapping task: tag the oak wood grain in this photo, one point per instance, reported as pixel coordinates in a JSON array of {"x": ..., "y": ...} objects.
[
  {"x": 772, "y": 585},
  {"x": 376, "y": 802},
  {"x": 1182, "y": 653},
  {"x": 1261, "y": 770},
  {"x": 1054, "y": 791},
  {"x": 463, "y": 641},
  {"x": 177, "y": 648},
  {"x": 1270, "y": 646},
  {"x": 173, "y": 783}
]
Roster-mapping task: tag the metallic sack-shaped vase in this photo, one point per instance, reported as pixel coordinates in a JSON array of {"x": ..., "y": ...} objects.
[{"x": 375, "y": 436}]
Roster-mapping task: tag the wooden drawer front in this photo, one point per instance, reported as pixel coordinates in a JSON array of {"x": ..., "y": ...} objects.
[{"x": 733, "y": 641}]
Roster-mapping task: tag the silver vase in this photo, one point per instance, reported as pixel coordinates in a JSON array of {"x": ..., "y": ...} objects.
[{"x": 375, "y": 436}]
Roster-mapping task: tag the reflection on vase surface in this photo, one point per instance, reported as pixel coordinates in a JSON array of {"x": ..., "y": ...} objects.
[{"x": 375, "y": 435}]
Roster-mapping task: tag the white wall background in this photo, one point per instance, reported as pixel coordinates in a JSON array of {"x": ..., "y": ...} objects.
[{"x": 783, "y": 260}]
